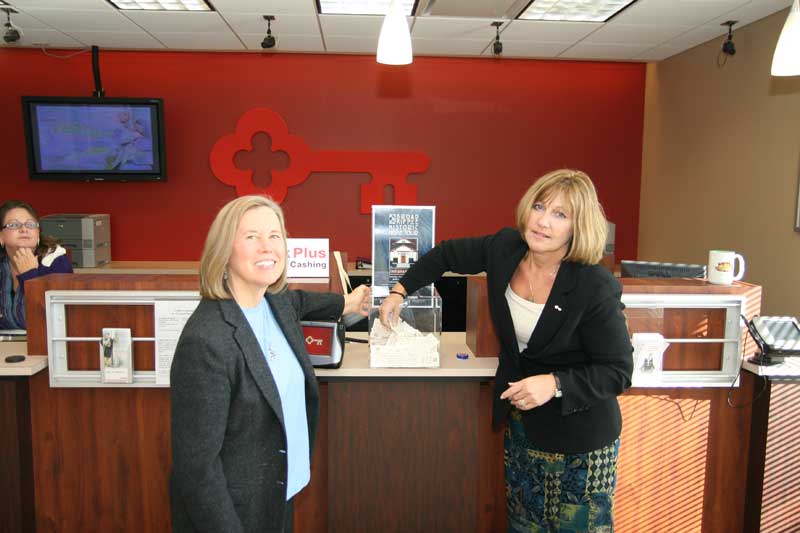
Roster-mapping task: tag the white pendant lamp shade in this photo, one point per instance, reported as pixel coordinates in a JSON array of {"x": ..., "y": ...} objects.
[
  {"x": 786, "y": 61},
  {"x": 394, "y": 42}
]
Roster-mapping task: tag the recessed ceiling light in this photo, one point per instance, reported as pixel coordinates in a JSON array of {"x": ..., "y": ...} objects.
[
  {"x": 161, "y": 5},
  {"x": 362, "y": 7},
  {"x": 574, "y": 10}
]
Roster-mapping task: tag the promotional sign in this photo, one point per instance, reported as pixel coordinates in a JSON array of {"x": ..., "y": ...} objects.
[
  {"x": 307, "y": 258},
  {"x": 401, "y": 234}
]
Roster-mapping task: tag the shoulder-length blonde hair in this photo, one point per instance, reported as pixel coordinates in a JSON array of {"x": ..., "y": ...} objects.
[
  {"x": 589, "y": 222},
  {"x": 219, "y": 246}
]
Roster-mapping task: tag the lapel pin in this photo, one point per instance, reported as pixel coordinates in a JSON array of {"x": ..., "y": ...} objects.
[{"x": 557, "y": 308}]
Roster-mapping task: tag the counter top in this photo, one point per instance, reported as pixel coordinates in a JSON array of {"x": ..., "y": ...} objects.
[
  {"x": 30, "y": 366},
  {"x": 355, "y": 363},
  {"x": 788, "y": 370}
]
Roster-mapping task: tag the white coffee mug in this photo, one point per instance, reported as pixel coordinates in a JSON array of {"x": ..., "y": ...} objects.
[{"x": 721, "y": 266}]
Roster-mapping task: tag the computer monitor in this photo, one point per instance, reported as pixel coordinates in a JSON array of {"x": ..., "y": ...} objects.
[{"x": 650, "y": 269}]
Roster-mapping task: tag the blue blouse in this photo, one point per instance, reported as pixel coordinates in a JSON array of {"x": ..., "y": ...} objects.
[
  {"x": 291, "y": 383},
  {"x": 12, "y": 303}
]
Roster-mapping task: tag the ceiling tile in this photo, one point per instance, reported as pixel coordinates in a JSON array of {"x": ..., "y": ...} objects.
[
  {"x": 83, "y": 20},
  {"x": 357, "y": 45},
  {"x": 448, "y": 47},
  {"x": 283, "y": 24},
  {"x": 178, "y": 22},
  {"x": 603, "y": 51},
  {"x": 50, "y": 38},
  {"x": 100, "y": 5},
  {"x": 351, "y": 25},
  {"x": 677, "y": 12},
  {"x": 271, "y": 7},
  {"x": 453, "y": 28},
  {"x": 548, "y": 31},
  {"x": 119, "y": 40},
  {"x": 635, "y": 33},
  {"x": 471, "y": 8},
  {"x": 657, "y": 53},
  {"x": 25, "y": 21},
  {"x": 755, "y": 10},
  {"x": 200, "y": 41},
  {"x": 531, "y": 49}
]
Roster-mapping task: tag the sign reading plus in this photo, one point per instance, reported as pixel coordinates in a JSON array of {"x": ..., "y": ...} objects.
[{"x": 307, "y": 258}]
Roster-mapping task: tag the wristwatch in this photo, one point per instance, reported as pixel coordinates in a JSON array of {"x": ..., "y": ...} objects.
[{"x": 558, "y": 386}]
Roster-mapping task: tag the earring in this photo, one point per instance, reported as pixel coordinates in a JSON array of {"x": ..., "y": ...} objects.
[{"x": 225, "y": 274}]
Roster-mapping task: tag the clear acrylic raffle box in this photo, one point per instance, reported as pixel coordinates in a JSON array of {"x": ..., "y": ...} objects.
[{"x": 414, "y": 342}]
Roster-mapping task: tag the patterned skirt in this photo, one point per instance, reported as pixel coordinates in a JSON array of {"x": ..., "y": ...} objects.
[{"x": 553, "y": 492}]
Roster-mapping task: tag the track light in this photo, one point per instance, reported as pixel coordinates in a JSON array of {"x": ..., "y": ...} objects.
[
  {"x": 394, "y": 41},
  {"x": 497, "y": 46},
  {"x": 728, "y": 47},
  {"x": 12, "y": 33},
  {"x": 269, "y": 41}
]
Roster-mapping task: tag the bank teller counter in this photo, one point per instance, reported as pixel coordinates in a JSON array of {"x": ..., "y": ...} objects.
[
  {"x": 397, "y": 450},
  {"x": 684, "y": 451}
]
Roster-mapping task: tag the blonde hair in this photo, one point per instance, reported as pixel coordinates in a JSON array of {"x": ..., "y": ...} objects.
[
  {"x": 589, "y": 222},
  {"x": 219, "y": 246}
]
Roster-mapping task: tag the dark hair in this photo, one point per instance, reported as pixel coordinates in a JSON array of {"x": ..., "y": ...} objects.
[{"x": 46, "y": 242}]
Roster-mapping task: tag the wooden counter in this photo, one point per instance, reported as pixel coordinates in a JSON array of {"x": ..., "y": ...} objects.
[{"x": 396, "y": 451}]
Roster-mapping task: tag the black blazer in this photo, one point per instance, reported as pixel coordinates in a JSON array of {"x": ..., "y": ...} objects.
[
  {"x": 228, "y": 437},
  {"x": 581, "y": 337}
]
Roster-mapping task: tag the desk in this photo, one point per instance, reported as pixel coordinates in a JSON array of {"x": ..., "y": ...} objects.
[{"x": 16, "y": 465}]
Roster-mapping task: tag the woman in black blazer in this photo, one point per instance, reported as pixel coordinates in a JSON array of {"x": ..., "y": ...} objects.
[
  {"x": 244, "y": 397},
  {"x": 565, "y": 351}
]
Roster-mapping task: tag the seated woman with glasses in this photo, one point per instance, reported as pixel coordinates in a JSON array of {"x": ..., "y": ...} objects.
[{"x": 23, "y": 256}]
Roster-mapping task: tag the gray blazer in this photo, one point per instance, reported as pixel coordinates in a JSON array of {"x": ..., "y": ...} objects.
[{"x": 228, "y": 434}]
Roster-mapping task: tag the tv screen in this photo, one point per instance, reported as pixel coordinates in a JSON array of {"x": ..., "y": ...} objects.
[{"x": 94, "y": 139}]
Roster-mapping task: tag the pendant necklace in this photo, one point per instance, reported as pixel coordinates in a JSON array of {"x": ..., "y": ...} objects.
[
  {"x": 530, "y": 275},
  {"x": 273, "y": 355}
]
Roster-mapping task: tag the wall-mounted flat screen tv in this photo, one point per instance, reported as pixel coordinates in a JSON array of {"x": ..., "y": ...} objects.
[{"x": 95, "y": 139}]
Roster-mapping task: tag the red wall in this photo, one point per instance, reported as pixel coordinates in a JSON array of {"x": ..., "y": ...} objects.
[{"x": 489, "y": 126}]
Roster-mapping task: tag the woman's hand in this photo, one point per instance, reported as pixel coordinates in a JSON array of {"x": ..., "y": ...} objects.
[
  {"x": 24, "y": 260},
  {"x": 390, "y": 308},
  {"x": 530, "y": 392},
  {"x": 357, "y": 301}
]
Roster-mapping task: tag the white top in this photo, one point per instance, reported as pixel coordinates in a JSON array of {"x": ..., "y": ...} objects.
[{"x": 524, "y": 314}]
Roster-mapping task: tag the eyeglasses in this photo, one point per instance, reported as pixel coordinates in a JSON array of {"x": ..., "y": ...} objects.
[{"x": 15, "y": 224}]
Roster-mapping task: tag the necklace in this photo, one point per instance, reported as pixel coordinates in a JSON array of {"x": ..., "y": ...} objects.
[
  {"x": 272, "y": 354},
  {"x": 551, "y": 274}
]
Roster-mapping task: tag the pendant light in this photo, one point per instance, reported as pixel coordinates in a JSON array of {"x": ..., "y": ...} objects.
[
  {"x": 394, "y": 41},
  {"x": 786, "y": 61}
]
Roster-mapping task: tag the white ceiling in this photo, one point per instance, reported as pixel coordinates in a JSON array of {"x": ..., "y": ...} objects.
[{"x": 648, "y": 30}]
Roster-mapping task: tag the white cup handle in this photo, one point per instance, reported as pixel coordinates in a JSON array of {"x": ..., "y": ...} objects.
[{"x": 739, "y": 275}]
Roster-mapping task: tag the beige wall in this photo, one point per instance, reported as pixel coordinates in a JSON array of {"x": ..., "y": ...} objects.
[{"x": 720, "y": 162}]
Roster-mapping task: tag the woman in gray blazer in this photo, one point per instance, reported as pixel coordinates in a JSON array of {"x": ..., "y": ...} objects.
[
  {"x": 244, "y": 397},
  {"x": 565, "y": 352}
]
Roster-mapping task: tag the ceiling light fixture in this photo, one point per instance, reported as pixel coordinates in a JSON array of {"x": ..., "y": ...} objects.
[
  {"x": 394, "y": 41},
  {"x": 786, "y": 60},
  {"x": 572, "y": 11},
  {"x": 161, "y": 5},
  {"x": 269, "y": 41},
  {"x": 361, "y": 7}
]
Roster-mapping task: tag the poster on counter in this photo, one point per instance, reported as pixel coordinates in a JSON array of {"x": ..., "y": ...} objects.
[
  {"x": 401, "y": 234},
  {"x": 170, "y": 318},
  {"x": 116, "y": 356}
]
